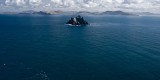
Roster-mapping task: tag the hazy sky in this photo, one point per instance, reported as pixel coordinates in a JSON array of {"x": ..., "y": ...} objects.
[
  {"x": 131, "y": 5},
  {"x": 2, "y": 1}
]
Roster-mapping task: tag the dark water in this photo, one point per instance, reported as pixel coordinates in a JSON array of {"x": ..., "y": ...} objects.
[{"x": 111, "y": 48}]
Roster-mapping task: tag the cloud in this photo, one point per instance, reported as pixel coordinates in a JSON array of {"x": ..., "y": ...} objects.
[{"x": 146, "y": 5}]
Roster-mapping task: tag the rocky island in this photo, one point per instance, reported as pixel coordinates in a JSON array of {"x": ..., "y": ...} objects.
[{"x": 77, "y": 21}]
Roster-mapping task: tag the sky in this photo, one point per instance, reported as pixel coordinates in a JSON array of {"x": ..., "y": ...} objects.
[
  {"x": 2, "y": 1},
  {"x": 88, "y": 5}
]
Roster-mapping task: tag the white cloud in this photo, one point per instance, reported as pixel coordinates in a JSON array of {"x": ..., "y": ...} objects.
[{"x": 145, "y": 5}]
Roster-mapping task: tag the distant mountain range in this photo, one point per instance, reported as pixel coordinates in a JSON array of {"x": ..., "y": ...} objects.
[
  {"x": 147, "y": 13},
  {"x": 35, "y": 12},
  {"x": 32, "y": 12},
  {"x": 74, "y": 12},
  {"x": 117, "y": 13}
]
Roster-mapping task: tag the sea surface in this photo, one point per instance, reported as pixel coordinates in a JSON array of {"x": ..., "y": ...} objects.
[{"x": 34, "y": 47}]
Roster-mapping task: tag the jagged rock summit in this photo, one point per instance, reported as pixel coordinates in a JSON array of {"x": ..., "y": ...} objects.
[{"x": 77, "y": 21}]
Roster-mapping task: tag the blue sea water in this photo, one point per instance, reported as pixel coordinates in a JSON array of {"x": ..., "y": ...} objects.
[{"x": 110, "y": 48}]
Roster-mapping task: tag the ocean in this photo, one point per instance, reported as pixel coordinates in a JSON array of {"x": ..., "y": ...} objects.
[{"x": 34, "y": 47}]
